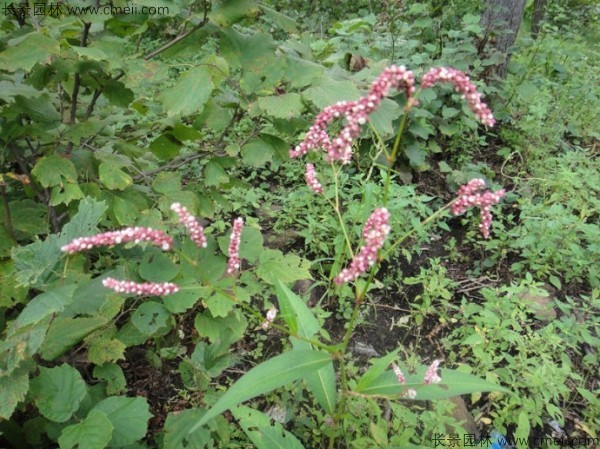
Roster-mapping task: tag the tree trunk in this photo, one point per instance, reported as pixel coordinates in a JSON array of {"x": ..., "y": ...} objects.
[
  {"x": 501, "y": 21},
  {"x": 539, "y": 8}
]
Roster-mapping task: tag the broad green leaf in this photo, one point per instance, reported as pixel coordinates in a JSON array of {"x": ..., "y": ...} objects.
[
  {"x": 150, "y": 318},
  {"x": 177, "y": 431},
  {"x": 84, "y": 222},
  {"x": 214, "y": 174},
  {"x": 113, "y": 177},
  {"x": 230, "y": 328},
  {"x": 219, "y": 304},
  {"x": 64, "y": 333},
  {"x": 227, "y": 12},
  {"x": 282, "y": 21},
  {"x": 34, "y": 48},
  {"x": 40, "y": 109},
  {"x": 301, "y": 320},
  {"x": 13, "y": 389},
  {"x": 274, "y": 266},
  {"x": 384, "y": 116},
  {"x": 129, "y": 417},
  {"x": 65, "y": 194},
  {"x": 46, "y": 304},
  {"x": 165, "y": 146},
  {"x": 157, "y": 266},
  {"x": 302, "y": 73},
  {"x": 54, "y": 170},
  {"x": 284, "y": 106},
  {"x": 90, "y": 53},
  {"x": 117, "y": 93},
  {"x": 184, "y": 299},
  {"x": 190, "y": 93},
  {"x": 114, "y": 377},
  {"x": 264, "y": 435},
  {"x": 106, "y": 350},
  {"x": 29, "y": 217},
  {"x": 57, "y": 392},
  {"x": 454, "y": 383},
  {"x": 523, "y": 430},
  {"x": 329, "y": 91},
  {"x": 167, "y": 182},
  {"x": 377, "y": 368},
  {"x": 257, "y": 152},
  {"x": 251, "y": 244},
  {"x": 94, "y": 432},
  {"x": 267, "y": 376}
]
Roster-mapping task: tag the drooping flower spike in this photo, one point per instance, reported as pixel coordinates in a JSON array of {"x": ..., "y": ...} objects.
[
  {"x": 311, "y": 179},
  {"x": 135, "y": 235},
  {"x": 374, "y": 233},
  {"x": 191, "y": 223},
  {"x": 146, "y": 288},
  {"x": 473, "y": 194},
  {"x": 462, "y": 84},
  {"x": 399, "y": 374},
  {"x": 234, "y": 262}
]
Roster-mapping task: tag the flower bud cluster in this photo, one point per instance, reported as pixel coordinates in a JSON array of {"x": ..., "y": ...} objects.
[
  {"x": 269, "y": 318},
  {"x": 431, "y": 375},
  {"x": 472, "y": 195},
  {"x": 374, "y": 233},
  {"x": 233, "y": 263},
  {"x": 191, "y": 223},
  {"x": 399, "y": 374},
  {"x": 356, "y": 114},
  {"x": 311, "y": 179},
  {"x": 462, "y": 84},
  {"x": 146, "y": 288},
  {"x": 135, "y": 235}
]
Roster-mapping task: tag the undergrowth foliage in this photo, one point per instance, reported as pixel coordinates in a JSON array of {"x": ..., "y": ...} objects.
[{"x": 162, "y": 262}]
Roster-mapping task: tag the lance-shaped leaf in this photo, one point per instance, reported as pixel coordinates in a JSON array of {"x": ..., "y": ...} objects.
[
  {"x": 262, "y": 433},
  {"x": 267, "y": 376},
  {"x": 301, "y": 320}
]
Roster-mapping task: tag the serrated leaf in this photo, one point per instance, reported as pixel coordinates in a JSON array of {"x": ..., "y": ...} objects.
[
  {"x": 177, "y": 431},
  {"x": 230, "y": 328},
  {"x": 57, "y": 392},
  {"x": 165, "y": 146},
  {"x": 114, "y": 377},
  {"x": 264, "y": 434},
  {"x": 219, "y": 305},
  {"x": 117, "y": 93},
  {"x": 46, "y": 304},
  {"x": 156, "y": 266},
  {"x": 113, "y": 177},
  {"x": 150, "y": 318},
  {"x": 105, "y": 350},
  {"x": 274, "y": 373},
  {"x": 129, "y": 417},
  {"x": 257, "y": 152},
  {"x": 29, "y": 217},
  {"x": 65, "y": 194},
  {"x": 64, "y": 333},
  {"x": 227, "y": 12},
  {"x": 32, "y": 49},
  {"x": 274, "y": 266},
  {"x": 214, "y": 174},
  {"x": 190, "y": 93},
  {"x": 286, "y": 106},
  {"x": 13, "y": 389},
  {"x": 329, "y": 91},
  {"x": 167, "y": 182},
  {"x": 284, "y": 22},
  {"x": 94, "y": 432},
  {"x": 54, "y": 170}
]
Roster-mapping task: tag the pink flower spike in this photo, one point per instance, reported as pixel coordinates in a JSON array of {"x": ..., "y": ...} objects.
[
  {"x": 399, "y": 374},
  {"x": 146, "y": 289},
  {"x": 431, "y": 376},
  {"x": 471, "y": 195},
  {"x": 270, "y": 317},
  {"x": 234, "y": 262},
  {"x": 462, "y": 84},
  {"x": 311, "y": 179},
  {"x": 191, "y": 223},
  {"x": 374, "y": 233},
  {"x": 136, "y": 235}
]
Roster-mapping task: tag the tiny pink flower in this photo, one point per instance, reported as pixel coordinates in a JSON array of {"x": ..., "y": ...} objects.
[
  {"x": 146, "y": 289},
  {"x": 374, "y": 233},
  {"x": 269, "y": 318},
  {"x": 191, "y": 223},
  {"x": 471, "y": 195},
  {"x": 462, "y": 84},
  {"x": 431, "y": 375},
  {"x": 234, "y": 262},
  {"x": 135, "y": 235},
  {"x": 311, "y": 179},
  {"x": 399, "y": 374}
]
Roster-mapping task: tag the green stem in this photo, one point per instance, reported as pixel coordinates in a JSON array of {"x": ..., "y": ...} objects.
[{"x": 392, "y": 157}]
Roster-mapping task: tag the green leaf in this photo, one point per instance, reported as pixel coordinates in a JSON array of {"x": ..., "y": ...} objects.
[
  {"x": 64, "y": 333},
  {"x": 129, "y": 417},
  {"x": 190, "y": 93},
  {"x": 65, "y": 194},
  {"x": 113, "y": 177},
  {"x": 105, "y": 350},
  {"x": 257, "y": 152},
  {"x": 329, "y": 91},
  {"x": 29, "y": 217},
  {"x": 214, "y": 174},
  {"x": 156, "y": 266},
  {"x": 165, "y": 146},
  {"x": 377, "y": 368},
  {"x": 13, "y": 389},
  {"x": 219, "y": 305},
  {"x": 284, "y": 22},
  {"x": 114, "y": 377},
  {"x": 150, "y": 318},
  {"x": 264, "y": 435},
  {"x": 167, "y": 182},
  {"x": 267, "y": 376},
  {"x": 117, "y": 93},
  {"x": 454, "y": 383},
  {"x": 284, "y": 106},
  {"x": 34, "y": 48},
  {"x": 53, "y": 170},
  {"x": 184, "y": 299},
  {"x": 94, "y": 432},
  {"x": 274, "y": 266},
  {"x": 230, "y": 328},
  {"x": 46, "y": 304},
  {"x": 383, "y": 117},
  {"x": 57, "y": 392},
  {"x": 178, "y": 435},
  {"x": 227, "y": 12}
]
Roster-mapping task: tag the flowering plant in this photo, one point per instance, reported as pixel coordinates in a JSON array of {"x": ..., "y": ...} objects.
[{"x": 311, "y": 359}]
